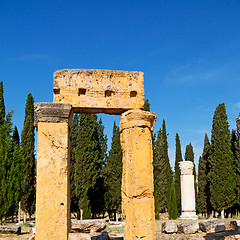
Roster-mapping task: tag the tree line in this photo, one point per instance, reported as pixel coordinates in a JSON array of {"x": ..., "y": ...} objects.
[
  {"x": 17, "y": 162},
  {"x": 96, "y": 173}
]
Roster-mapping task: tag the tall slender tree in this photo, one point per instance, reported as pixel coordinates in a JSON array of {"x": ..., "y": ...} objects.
[
  {"x": 14, "y": 174},
  {"x": 88, "y": 163},
  {"x": 173, "y": 202},
  {"x": 28, "y": 198},
  {"x": 203, "y": 183},
  {"x": 113, "y": 175},
  {"x": 162, "y": 172},
  {"x": 236, "y": 153},
  {"x": 178, "y": 158},
  {"x": 2, "y": 105},
  {"x": 222, "y": 176}
]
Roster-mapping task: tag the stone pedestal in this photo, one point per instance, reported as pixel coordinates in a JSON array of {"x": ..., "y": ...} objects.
[
  {"x": 187, "y": 190},
  {"x": 137, "y": 179},
  {"x": 53, "y": 169}
]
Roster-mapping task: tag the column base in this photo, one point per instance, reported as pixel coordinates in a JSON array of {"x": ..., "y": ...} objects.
[{"x": 189, "y": 215}]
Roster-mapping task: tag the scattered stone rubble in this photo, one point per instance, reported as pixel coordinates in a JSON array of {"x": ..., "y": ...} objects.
[
  {"x": 10, "y": 230},
  {"x": 208, "y": 226}
]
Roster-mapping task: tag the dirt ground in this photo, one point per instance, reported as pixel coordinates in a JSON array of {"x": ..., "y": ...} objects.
[{"x": 116, "y": 233}]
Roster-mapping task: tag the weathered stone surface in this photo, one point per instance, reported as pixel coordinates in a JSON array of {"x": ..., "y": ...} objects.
[
  {"x": 212, "y": 225},
  {"x": 53, "y": 186},
  {"x": 235, "y": 223},
  {"x": 91, "y": 225},
  {"x": 137, "y": 176},
  {"x": 187, "y": 191},
  {"x": 188, "y": 227},
  {"x": 186, "y": 167},
  {"x": 102, "y": 236},
  {"x": 96, "y": 91},
  {"x": 169, "y": 227},
  {"x": 137, "y": 118},
  {"x": 52, "y": 112},
  {"x": 238, "y": 124},
  {"x": 10, "y": 230}
]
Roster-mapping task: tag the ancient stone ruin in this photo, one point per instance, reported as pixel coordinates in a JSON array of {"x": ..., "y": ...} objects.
[
  {"x": 94, "y": 91},
  {"x": 187, "y": 191}
]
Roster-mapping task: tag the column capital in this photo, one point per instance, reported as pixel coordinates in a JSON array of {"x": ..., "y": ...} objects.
[
  {"x": 52, "y": 113},
  {"x": 186, "y": 167},
  {"x": 137, "y": 118}
]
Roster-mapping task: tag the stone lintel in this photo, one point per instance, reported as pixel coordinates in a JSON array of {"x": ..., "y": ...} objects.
[
  {"x": 99, "y": 91},
  {"x": 186, "y": 167},
  {"x": 137, "y": 118},
  {"x": 52, "y": 113}
]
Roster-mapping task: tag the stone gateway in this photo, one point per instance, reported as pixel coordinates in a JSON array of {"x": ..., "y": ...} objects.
[{"x": 94, "y": 91}]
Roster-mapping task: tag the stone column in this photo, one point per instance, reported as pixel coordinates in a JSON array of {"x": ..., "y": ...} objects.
[
  {"x": 53, "y": 220},
  {"x": 137, "y": 177},
  {"x": 187, "y": 190}
]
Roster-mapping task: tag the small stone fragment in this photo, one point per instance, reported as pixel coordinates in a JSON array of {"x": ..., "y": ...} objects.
[
  {"x": 102, "y": 236},
  {"x": 235, "y": 224},
  {"x": 212, "y": 225},
  {"x": 188, "y": 227},
  {"x": 10, "y": 230},
  {"x": 94, "y": 225},
  {"x": 169, "y": 227}
]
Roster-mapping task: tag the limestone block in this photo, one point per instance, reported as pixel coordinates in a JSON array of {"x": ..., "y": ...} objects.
[
  {"x": 137, "y": 118},
  {"x": 137, "y": 162},
  {"x": 212, "y": 225},
  {"x": 235, "y": 224},
  {"x": 169, "y": 227},
  {"x": 102, "y": 236},
  {"x": 10, "y": 229},
  {"x": 99, "y": 91},
  {"x": 88, "y": 225},
  {"x": 52, "y": 112},
  {"x": 188, "y": 227},
  {"x": 238, "y": 123},
  {"x": 140, "y": 219}
]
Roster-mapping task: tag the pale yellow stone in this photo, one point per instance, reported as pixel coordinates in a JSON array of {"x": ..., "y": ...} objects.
[
  {"x": 99, "y": 91},
  {"x": 137, "y": 176},
  {"x": 53, "y": 196}
]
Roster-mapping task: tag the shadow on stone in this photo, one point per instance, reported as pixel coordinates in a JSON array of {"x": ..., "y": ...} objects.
[{"x": 223, "y": 235}]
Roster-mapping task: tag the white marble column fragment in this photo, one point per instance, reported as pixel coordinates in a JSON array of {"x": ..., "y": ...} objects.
[{"x": 187, "y": 191}]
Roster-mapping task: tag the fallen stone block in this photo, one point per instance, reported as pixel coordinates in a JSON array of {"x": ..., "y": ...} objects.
[
  {"x": 235, "y": 224},
  {"x": 212, "y": 226},
  {"x": 10, "y": 230},
  {"x": 102, "y": 236},
  {"x": 169, "y": 227},
  {"x": 95, "y": 225},
  {"x": 188, "y": 227}
]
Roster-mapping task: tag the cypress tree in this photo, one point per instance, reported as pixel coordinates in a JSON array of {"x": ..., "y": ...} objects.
[
  {"x": 178, "y": 158},
  {"x": 173, "y": 202},
  {"x": 74, "y": 143},
  {"x": 28, "y": 198},
  {"x": 162, "y": 172},
  {"x": 146, "y": 105},
  {"x": 236, "y": 154},
  {"x": 2, "y": 105},
  {"x": 88, "y": 163},
  {"x": 189, "y": 156},
  {"x": 222, "y": 176},
  {"x": 14, "y": 174},
  {"x": 203, "y": 184},
  {"x": 113, "y": 174},
  {"x": 5, "y": 140}
]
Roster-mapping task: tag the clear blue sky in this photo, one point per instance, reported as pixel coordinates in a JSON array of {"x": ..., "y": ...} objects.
[{"x": 189, "y": 52}]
